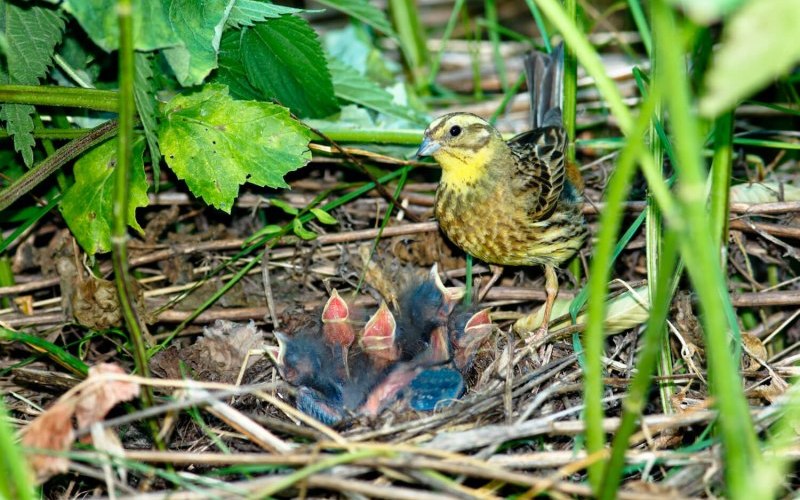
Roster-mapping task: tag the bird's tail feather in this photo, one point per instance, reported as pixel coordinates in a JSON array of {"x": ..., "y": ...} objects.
[{"x": 546, "y": 86}]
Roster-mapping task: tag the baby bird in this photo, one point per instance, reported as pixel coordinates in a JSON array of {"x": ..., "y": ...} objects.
[{"x": 515, "y": 203}]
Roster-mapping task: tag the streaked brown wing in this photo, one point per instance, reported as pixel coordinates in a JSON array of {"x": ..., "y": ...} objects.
[{"x": 539, "y": 156}]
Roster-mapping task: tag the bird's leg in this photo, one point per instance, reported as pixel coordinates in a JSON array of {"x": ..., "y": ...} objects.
[
  {"x": 551, "y": 289},
  {"x": 525, "y": 324},
  {"x": 497, "y": 271}
]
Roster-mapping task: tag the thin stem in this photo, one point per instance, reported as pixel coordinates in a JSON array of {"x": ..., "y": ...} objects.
[
  {"x": 100, "y": 100},
  {"x": 62, "y": 156},
  {"x": 119, "y": 238}
]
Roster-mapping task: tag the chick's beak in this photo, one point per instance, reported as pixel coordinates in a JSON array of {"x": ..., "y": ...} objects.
[{"x": 428, "y": 147}]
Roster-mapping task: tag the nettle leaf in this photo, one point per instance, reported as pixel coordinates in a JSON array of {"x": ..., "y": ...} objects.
[
  {"x": 766, "y": 56},
  {"x": 350, "y": 85},
  {"x": 31, "y": 35},
  {"x": 151, "y": 24},
  {"x": 215, "y": 143},
  {"x": 199, "y": 26},
  {"x": 145, "y": 95},
  {"x": 87, "y": 205},
  {"x": 284, "y": 60},
  {"x": 365, "y": 12},
  {"x": 231, "y": 70},
  {"x": 249, "y": 12}
]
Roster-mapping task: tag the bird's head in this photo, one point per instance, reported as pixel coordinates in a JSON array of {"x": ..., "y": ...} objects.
[{"x": 462, "y": 144}]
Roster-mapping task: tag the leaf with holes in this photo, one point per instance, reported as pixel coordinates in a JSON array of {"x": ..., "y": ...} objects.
[
  {"x": 87, "y": 205},
  {"x": 215, "y": 144}
]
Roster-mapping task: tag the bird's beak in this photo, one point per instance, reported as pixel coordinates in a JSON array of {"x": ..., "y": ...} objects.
[{"x": 428, "y": 147}]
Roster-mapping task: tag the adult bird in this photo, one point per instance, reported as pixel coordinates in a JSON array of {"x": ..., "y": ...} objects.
[{"x": 516, "y": 202}]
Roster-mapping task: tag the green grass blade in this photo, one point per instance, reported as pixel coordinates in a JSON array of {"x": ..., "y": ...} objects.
[
  {"x": 648, "y": 358},
  {"x": 18, "y": 480},
  {"x": 739, "y": 441},
  {"x": 600, "y": 268}
]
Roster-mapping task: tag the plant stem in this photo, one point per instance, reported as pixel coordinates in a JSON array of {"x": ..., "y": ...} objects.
[
  {"x": 100, "y": 100},
  {"x": 119, "y": 238},
  {"x": 412, "y": 39},
  {"x": 62, "y": 156}
]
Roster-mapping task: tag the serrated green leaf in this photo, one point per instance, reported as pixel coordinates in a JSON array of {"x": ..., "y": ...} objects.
[
  {"x": 215, "y": 143},
  {"x": 199, "y": 26},
  {"x": 284, "y": 60},
  {"x": 31, "y": 35},
  {"x": 151, "y": 25},
  {"x": 351, "y": 86},
  {"x": 299, "y": 230},
  {"x": 365, "y": 12},
  {"x": 277, "y": 202},
  {"x": 87, "y": 204},
  {"x": 757, "y": 38},
  {"x": 323, "y": 216},
  {"x": 249, "y": 12},
  {"x": 231, "y": 70},
  {"x": 145, "y": 94}
]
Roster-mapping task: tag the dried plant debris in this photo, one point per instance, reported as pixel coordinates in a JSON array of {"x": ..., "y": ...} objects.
[
  {"x": 93, "y": 302},
  {"x": 217, "y": 356},
  {"x": 415, "y": 358},
  {"x": 88, "y": 403}
]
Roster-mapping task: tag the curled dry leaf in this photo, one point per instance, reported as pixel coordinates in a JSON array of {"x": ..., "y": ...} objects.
[
  {"x": 93, "y": 302},
  {"x": 217, "y": 356},
  {"x": 755, "y": 352},
  {"x": 89, "y": 403},
  {"x": 97, "y": 399},
  {"x": 52, "y": 430}
]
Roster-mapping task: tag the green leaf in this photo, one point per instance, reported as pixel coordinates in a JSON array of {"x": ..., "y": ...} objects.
[
  {"x": 284, "y": 60},
  {"x": 249, "y": 12},
  {"x": 277, "y": 202},
  {"x": 31, "y": 35},
  {"x": 151, "y": 25},
  {"x": 264, "y": 231},
  {"x": 215, "y": 143},
  {"x": 299, "y": 230},
  {"x": 365, "y": 12},
  {"x": 760, "y": 37},
  {"x": 706, "y": 12},
  {"x": 145, "y": 94},
  {"x": 199, "y": 26},
  {"x": 87, "y": 205},
  {"x": 231, "y": 70},
  {"x": 323, "y": 216},
  {"x": 351, "y": 86}
]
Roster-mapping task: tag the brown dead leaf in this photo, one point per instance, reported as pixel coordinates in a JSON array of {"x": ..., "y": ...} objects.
[
  {"x": 97, "y": 399},
  {"x": 217, "y": 356},
  {"x": 755, "y": 352},
  {"x": 52, "y": 430}
]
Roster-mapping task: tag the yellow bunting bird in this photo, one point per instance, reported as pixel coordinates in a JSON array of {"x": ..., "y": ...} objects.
[{"x": 516, "y": 202}]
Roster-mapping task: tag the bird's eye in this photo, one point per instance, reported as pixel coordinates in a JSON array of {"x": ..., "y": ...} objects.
[{"x": 455, "y": 130}]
